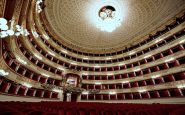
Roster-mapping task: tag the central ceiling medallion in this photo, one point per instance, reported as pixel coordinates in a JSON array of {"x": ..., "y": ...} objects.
[{"x": 106, "y": 15}]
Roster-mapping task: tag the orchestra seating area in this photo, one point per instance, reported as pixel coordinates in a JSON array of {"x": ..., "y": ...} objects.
[{"x": 58, "y": 108}]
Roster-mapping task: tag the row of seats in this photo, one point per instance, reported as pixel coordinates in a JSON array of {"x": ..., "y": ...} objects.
[
  {"x": 37, "y": 62},
  {"x": 132, "y": 74},
  {"x": 58, "y": 108},
  {"x": 152, "y": 58},
  {"x": 57, "y": 71},
  {"x": 24, "y": 71},
  {"x": 174, "y": 24},
  {"x": 167, "y": 93},
  {"x": 119, "y": 76},
  {"x": 126, "y": 85},
  {"x": 12, "y": 88},
  {"x": 167, "y": 52},
  {"x": 140, "y": 72}
]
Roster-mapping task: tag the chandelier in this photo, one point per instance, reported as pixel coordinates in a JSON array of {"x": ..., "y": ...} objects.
[
  {"x": 108, "y": 19},
  {"x": 40, "y": 6},
  {"x": 6, "y": 31},
  {"x": 107, "y": 13}
]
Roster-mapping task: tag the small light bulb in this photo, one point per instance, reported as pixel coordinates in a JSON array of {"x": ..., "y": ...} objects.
[{"x": 3, "y": 21}]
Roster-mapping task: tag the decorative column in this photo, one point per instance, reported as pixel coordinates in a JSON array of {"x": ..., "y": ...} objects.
[
  {"x": 26, "y": 90},
  {"x": 50, "y": 94},
  {"x": 78, "y": 98},
  {"x": 8, "y": 87},
  {"x": 68, "y": 97},
  {"x": 34, "y": 92},
  {"x": 42, "y": 94},
  {"x": 17, "y": 89},
  {"x": 61, "y": 95},
  {"x": 46, "y": 80}
]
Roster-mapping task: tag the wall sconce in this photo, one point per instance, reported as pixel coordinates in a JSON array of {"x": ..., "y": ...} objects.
[{"x": 3, "y": 72}]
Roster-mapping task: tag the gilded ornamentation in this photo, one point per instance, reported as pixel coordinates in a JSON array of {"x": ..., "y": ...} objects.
[
  {"x": 143, "y": 18},
  {"x": 2, "y": 7}
]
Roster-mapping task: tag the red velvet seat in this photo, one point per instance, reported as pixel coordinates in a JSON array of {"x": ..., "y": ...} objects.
[
  {"x": 137, "y": 113},
  {"x": 11, "y": 113},
  {"x": 36, "y": 113},
  {"x": 178, "y": 112},
  {"x": 93, "y": 112}
]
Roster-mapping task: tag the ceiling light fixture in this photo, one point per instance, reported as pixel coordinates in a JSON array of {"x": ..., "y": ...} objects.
[
  {"x": 182, "y": 41},
  {"x": 45, "y": 36},
  {"x": 85, "y": 58},
  {"x": 142, "y": 90},
  {"x": 45, "y": 75},
  {"x": 108, "y": 58},
  {"x": 112, "y": 93},
  {"x": 97, "y": 66},
  {"x": 108, "y": 20},
  {"x": 35, "y": 34},
  {"x": 121, "y": 64},
  {"x": 39, "y": 4},
  {"x": 73, "y": 63},
  {"x": 3, "y": 72},
  {"x": 64, "y": 51},
  {"x": 138, "y": 69},
  {"x": 61, "y": 68},
  {"x": 21, "y": 61},
  {"x": 37, "y": 56},
  {"x": 97, "y": 83},
  {"x": 109, "y": 74},
  {"x": 27, "y": 85},
  {"x": 168, "y": 60},
  {"x": 6, "y": 31},
  {"x": 85, "y": 73},
  {"x": 131, "y": 53},
  {"x": 180, "y": 86},
  {"x": 158, "y": 40},
  {"x": 51, "y": 53},
  {"x": 106, "y": 15},
  {"x": 125, "y": 81},
  {"x": 57, "y": 90},
  {"x": 155, "y": 76},
  {"x": 147, "y": 56},
  {"x": 85, "y": 92}
]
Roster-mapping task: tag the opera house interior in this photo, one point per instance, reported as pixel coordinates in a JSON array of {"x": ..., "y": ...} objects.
[{"x": 92, "y": 57}]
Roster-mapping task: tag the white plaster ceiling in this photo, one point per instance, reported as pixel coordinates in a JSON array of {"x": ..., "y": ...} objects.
[{"x": 70, "y": 19}]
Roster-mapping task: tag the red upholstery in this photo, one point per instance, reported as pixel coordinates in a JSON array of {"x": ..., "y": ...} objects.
[{"x": 64, "y": 108}]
